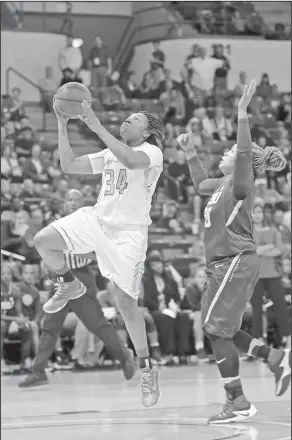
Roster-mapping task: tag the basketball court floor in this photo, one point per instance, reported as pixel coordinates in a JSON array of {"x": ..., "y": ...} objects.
[{"x": 102, "y": 406}]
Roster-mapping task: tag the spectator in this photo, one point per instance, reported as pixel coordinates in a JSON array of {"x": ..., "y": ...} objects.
[
  {"x": 284, "y": 109},
  {"x": 204, "y": 68},
  {"x": 85, "y": 74},
  {"x": 68, "y": 76},
  {"x": 179, "y": 171},
  {"x": 129, "y": 86},
  {"x": 269, "y": 249},
  {"x": 100, "y": 63},
  {"x": 33, "y": 167},
  {"x": 70, "y": 58},
  {"x": 113, "y": 97},
  {"x": 9, "y": 162},
  {"x": 17, "y": 110},
  {"x": 270, "y": 196},
  {"x": 171, "y": 218},
  {"x": 168, "y": 83},
  {"x": 24, "y": 143},
  {"x": 5, "y": 194},
  {"x": 30, "y": 303},
  {"x": 221, "y": 126},
  {"x": 13, "y": 233},
  {"x": 161, "y": 297},
  {"x": 148, "y": 89},
  {"x": 221, "y": 73},
  {"x": 195, "y": 126},
  {"x": 54, "y": 211},
  {"x": 264, "y": 89},
  {"x": 10, "y": 131},
  {"x": 158, "y": 56},
  {"x": 174, "y": 109},
  {"x": 284, "y": 230},
  {"x": 13, "y": 322},
  {"x": 28, "y": 189}
]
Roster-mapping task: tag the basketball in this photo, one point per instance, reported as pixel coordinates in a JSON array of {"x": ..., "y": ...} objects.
[{"x": 69, "y": 98}]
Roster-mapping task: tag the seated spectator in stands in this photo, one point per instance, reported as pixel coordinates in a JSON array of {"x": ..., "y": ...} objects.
[
  {"x": 100, "y": 63},
  {"x": 221, "y": 125},
  {"x": 89, "y": 196},
  {"x": 269, "y": 195},
  {"x": 13, "y": 322},
  {"x": 113, "y": 97},
  {"x": 28, "y": 189},
  {"x": 10, "y": 130},
  {"x": 285, "y": 232},
  {"x": 68, "y": 76},
  {"x": 9, "y": 162},
  {"x": 162, "y": 298},
  {"x": 52, "y": 165},
  {"x": 12, "y": 233},
  {"x": 192, "y": 301},
  {"x": 264, "y": 89},
  {"x": 196, "y": 128},
  {"x": 17, "y": 110},
  {"x": 239, "y": 88},
  {"x": 286, "y": 278},
  {"x": 49, "y": 87},
  {"x": 168, "y": 83},
  {"x": 54, "y": 211},
  {"x": 207, "y": 127},
  {"x": 34, "y": 168},
  {"x": 171, "y": 218},
  {"x": 174, "y": 109},
  {"x": 284, "y": 109},
  {"x": 221, "y": 73},
  {"x": 30, "y": 303},
  {"x": 24, "y": 143},
  {"x": 62, "y": 188},
  {"x": 179, "y": 171},
  {"x": 6, "y": 196},
  {"x": 148, "y": 88},
  {"x": 129, "y": 86}
]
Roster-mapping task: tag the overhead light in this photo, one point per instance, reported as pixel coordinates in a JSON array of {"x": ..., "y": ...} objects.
[{"x": 77, "y": 42}]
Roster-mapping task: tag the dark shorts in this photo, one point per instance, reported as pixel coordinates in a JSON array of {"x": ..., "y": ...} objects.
[{"x": 230, "y": 285}]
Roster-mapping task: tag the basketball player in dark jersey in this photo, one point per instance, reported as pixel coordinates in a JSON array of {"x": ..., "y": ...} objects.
[
  {"x": 232, "y": 261},
  {"x": 88, "y": 310}
]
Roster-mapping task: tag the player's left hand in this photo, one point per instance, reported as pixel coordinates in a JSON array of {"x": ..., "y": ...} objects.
[
  {"x": 248, "y": 93},
  {"x": 89, "y": 117}
]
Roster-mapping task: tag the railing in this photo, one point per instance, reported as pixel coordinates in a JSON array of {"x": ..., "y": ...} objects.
[{"x": 24, "y": 78}]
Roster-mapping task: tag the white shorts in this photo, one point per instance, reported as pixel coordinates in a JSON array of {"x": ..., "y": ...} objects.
[{"x": 120, "y": 252}]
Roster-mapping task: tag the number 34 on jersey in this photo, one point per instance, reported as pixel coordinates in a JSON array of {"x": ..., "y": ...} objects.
[
  {"x": 207, "y": 212},
  {"x": 113, "y": 184}
]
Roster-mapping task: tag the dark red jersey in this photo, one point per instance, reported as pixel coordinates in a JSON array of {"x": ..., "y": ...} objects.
[{"x": 228, "y": 223}]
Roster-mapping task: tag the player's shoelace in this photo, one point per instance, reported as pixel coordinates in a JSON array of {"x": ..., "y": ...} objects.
[
  {"x": 146, "y": 383},
  {"x": 60, "y": 289}
]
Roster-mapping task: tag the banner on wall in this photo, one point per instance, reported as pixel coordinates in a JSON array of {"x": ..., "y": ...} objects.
[{"x": 254, "y": 56}]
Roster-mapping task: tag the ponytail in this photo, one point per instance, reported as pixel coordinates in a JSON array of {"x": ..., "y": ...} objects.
[{"x": 271, "y": 158}]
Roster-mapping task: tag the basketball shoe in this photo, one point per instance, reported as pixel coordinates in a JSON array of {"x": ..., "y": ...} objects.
[
  {"x": 65, "y": 291},
  {"x": 281, "y": 370},
  {"x": 150, "y": 386},
  {"x": 234, "y": 411},
  {"x": 34, "y": 379}
]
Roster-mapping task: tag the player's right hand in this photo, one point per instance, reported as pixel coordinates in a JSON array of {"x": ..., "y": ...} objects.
[
  {"x": 186, "y": 142},
  {"x": 61, "y": 118},
  {"x": 89, "y": 117}
]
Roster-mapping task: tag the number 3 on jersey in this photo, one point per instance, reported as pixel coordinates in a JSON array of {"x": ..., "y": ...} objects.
[
  {"x": 121, "y": 184},
  {"x": 207, "y": 213}
]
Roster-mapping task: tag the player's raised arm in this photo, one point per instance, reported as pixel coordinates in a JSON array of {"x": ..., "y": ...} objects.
[
  {"x": 243, "y": 169},
  {"x": 130, "y": 158},
  {"x": 88, "y": 164},
  {"x": 204, "y": 185}
]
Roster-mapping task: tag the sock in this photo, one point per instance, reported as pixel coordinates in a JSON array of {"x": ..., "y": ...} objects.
[
  {"x": 233, "y": 389},
  {"x": 251, "y": 346},
  {"x": 144, "y": 358},
  {"x": 67, "y": 277}
]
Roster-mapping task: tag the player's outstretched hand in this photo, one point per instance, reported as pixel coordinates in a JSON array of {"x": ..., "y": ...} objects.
[
  {"x": 89, "y": 117},
  {"x": 61, "y": 118},
  {"x": 248, "y": 93},
  {"x": 187, "y": 142}
]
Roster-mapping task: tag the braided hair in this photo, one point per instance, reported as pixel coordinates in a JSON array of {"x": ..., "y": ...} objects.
[
  {"x": 156, "y": 130},
  {"x": 271, "y": 158}
]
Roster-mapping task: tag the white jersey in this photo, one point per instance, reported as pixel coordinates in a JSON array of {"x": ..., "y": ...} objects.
[{"x": 125, "y": 196}]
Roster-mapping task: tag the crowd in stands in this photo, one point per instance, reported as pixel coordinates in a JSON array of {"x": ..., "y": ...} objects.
[{"x": 33, "y": 189}]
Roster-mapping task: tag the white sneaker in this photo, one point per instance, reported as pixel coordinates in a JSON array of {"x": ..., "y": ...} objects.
[{"x": 64, "y": 293}]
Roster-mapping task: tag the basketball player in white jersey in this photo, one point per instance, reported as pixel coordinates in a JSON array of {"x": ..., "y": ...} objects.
[{"x": 115, "y": 228}]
